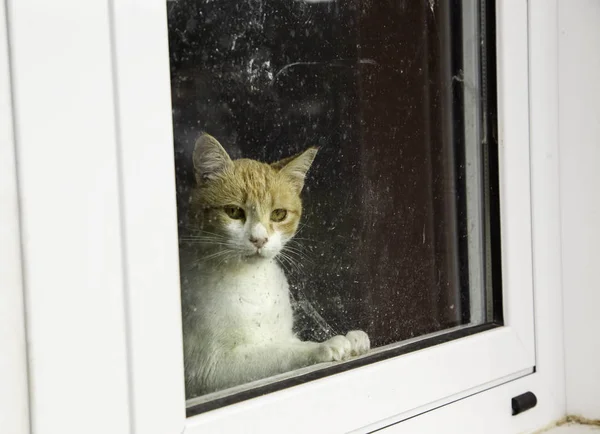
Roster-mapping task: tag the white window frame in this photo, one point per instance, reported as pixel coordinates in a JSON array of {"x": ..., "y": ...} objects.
[
  {"x": 119, "y": 363},
  {"x": 376, "y": 390},
  {"x": 14, "y": 413}
]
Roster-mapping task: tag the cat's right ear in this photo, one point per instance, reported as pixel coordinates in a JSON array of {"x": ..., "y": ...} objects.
[
  {"x": 210, "y": 159},
  {"x": 296, "y": 166}
]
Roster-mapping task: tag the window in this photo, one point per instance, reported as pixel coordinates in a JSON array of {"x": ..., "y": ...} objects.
[
  {"x": 399, "y": 230},
  {"x": 99, "y": 227}
]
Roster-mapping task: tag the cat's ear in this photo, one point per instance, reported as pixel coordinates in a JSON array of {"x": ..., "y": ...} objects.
[
  {"x": 209, "y": 158},
  {"x": 296, "y": 167}
]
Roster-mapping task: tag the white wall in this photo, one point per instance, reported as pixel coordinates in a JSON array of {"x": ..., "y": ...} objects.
[{"x": 579, "y": 135}]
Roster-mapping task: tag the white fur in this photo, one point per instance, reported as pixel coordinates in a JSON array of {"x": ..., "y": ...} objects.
[
  {"x": 238, "y": 325},
  {"x": 258, "y": 231},
  {"x": 240, "y": 233}
]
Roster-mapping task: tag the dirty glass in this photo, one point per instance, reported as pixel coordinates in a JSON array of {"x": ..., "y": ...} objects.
[{"x": 397, "y": 231}]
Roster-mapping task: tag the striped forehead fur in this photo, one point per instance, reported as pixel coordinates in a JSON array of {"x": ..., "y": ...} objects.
[{"x": 258, "y": 188}]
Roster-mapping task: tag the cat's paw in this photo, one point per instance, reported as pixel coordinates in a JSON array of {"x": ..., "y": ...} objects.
[
  {"x": 359, "y": 342},
  {"x": 335, "y": 349}
]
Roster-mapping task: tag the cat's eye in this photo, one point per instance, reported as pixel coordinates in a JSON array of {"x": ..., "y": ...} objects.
[
  {"x": 234, "y": 212},
  {"x": 278, "y": 215}
]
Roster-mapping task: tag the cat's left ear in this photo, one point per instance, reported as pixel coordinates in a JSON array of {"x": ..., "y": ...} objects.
[
  {"x": 210, "y": 158},
  {"x": 296, "y": 167}
]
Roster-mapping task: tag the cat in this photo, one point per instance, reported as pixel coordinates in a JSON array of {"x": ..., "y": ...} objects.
[{"x": 237, "y": 315}]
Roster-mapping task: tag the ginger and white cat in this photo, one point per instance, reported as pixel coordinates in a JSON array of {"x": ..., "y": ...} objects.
[{"x": 237, "y": 313}]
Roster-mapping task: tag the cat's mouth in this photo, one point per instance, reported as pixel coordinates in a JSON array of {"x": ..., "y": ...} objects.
[{"x": 258, "y": 254}]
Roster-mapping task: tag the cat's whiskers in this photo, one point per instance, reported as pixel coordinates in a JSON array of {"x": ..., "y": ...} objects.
[
  {"x": 203, "y": 237},
  {"x": 283, "y": 264},
  {"x": 205, "y": 232},
  {"x": 202, "y": 233},
  {"x": 296, "y": 244},
  {"x": 301, "y": 227},
  {"x": 221, "y": 254},
  {"x": 206, "y": 241},
  {"x": 225, "y": 258},
  {"x": 297, "y": 239},
  {"x": 290, "y": 261},
  {"x": 301, "y": 255}
]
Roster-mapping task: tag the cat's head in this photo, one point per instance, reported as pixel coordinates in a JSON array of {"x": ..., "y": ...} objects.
[{"x": 245, "y": 208}]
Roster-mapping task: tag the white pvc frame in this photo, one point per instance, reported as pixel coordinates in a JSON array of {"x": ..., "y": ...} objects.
[
  {"x": 377, "y": 390},
  {"x": 108, "y": 169},
  {"x": 67, "y": 168},
  {"x": 14, "y": 394}
]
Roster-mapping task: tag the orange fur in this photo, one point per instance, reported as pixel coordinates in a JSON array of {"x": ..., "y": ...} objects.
[{"x": 258, "y": 188}]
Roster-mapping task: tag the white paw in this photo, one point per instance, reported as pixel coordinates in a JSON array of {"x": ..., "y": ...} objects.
[
  {"x": 335, "y": 349},
  {"x": 359, "y": 342}
]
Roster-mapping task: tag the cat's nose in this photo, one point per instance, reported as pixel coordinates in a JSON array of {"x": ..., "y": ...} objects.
[{"x": 259, "y": 241}]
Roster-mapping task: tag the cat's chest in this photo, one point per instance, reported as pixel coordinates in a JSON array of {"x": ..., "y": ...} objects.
[
  {"x": 262, "y": 310},
  {"x": 255, "y": 296}
]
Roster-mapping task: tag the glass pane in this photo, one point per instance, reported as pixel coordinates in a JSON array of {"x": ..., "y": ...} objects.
[{"x": 393, "y": 237}]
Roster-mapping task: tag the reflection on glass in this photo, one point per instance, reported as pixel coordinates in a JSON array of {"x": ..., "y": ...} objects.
[{"x": 388, "y": 242}]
